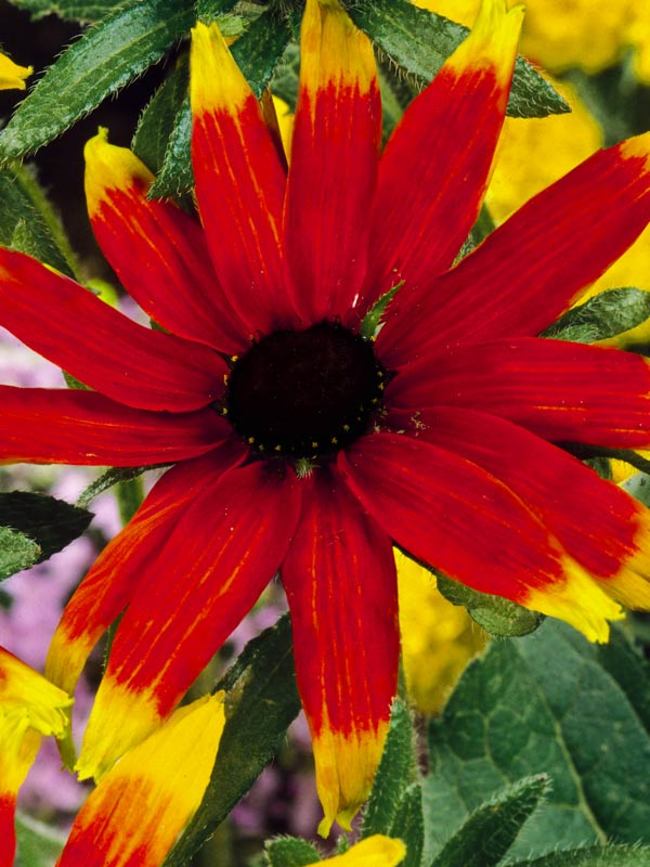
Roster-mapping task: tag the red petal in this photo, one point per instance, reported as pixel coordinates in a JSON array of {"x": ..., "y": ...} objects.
[
  {"x": 530, "y": 269},
  {"x": 110, "y": 584},
  {"x": 451, "y": 514},
  {"x": 341, "y": 584},
  {"x": 596, "y": 522},
  {"x": 99, "y": 346},
  {"x": 566, "y": 392},
  {"x": 58, "y": 426},
  {"x": 434, "y": 171},
  {"x": 156, "y": 249},
  {"x": 240, "y": 184},
  {"x": 228, "y": 544},
  {"x": 334, "y": 163},
  {"x": 7, "y": 829}
]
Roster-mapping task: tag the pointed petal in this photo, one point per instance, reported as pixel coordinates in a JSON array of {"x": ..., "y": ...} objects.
[
  {"x": 340, "y": 581},
  {"x": 110, "y": 584},
  {"x": 141, "y": 806},
  {"x": 565, "y": 392},
  {"x": 240, "y": 183},
  {"x": 434, "y": 171},
  {"x": 536, "y": 264},
  {"x": 334, "y": 162},
  {"x": 213, "y": 567},
  {"x": 375, "y": 851},
  {"x": 156, "y": 249},
  {"x": 99, "y": 346},
  {"x": 453, "y": 515},
  {"x": 59, "y": 426},
  {"x": 597, "y": 523}
]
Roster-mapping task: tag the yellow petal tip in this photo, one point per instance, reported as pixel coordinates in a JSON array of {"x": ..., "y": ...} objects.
[{"x": 109, "y": 167}]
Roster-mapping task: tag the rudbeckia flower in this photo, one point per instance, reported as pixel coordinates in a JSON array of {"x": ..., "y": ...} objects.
[
  {"x": 12, "y": 76},
  {"x": 30, "y": 707},
  {"x": 143, "y": 803},
  {"x": 302, "y": 446}
]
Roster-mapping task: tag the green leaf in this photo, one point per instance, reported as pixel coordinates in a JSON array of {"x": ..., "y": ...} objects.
[
  {"x": 594, "y": 856},
  {"x": 491, "y": 829},
  {"x": 28, "y": 223},
  {"x": 17, "y": 552},
  {"x": 373, "y": 318},
  {"x": 38, "y": 845},
  {"x": 257, "y": 53},
  {"x": 290, "y": 852},
  {"x": 103, "y": 60},
  {"x": 157, "y": 121},
  {"x": 548, "y": 703},
  {"x": 605, "y": 315},
  {"x": 262, "y": 701},
  {"x": 408, "y": 825},
  {"x": 419, "y": 41},
  {"x": 498, "y": 616},
  {"x": 397, "y": 770},
  {"x": 70, "y": 10},
  {"x": 638, "y": 486},
  {"x": 51, "y": 524}
]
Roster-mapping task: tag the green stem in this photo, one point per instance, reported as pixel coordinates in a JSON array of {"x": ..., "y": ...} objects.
[{"x": 130, "y": 494}]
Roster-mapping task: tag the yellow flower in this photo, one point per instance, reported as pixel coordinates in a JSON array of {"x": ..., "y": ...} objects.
[
  {"x": 438, "y": 638},
  {"x": 12, "y": 76},
  {"x": 588, "y": 34},
  {"x": 30, "y": 706},
  {"x": 375, "y": 851}
]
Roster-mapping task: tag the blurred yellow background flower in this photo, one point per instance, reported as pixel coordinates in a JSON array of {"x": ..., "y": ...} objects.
[
  {"x": 438, "y": 638},
  {"x": 12, "y": 76},
  {"x": 561, "y": 34}
]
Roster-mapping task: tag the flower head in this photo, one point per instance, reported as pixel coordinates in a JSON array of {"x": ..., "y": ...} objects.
[
  {"x": 30, "y": 707},
  {"x": 304, "y": 447}
]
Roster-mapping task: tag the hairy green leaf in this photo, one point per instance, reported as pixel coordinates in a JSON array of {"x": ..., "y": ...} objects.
[
  {"x": 547, "y": 703},
  {"x": 28, "y": 223},
  {"x": 262, "y": 700},
  {"x": 397, "y": 770},
  {"x": 419, "y": 41},
  {"x": 103, "y": 60},
  {"x": 257, "y": 53},
  {"x": 51, "y": 524},
  {"x": 85, "y": 11},
  {"x": 594, "y": 856},
  {"x": 290, "y": 852},
  {"x": 498, "y": 616},
  {"x": 605, "y": 315},
  {"x": 408, "y": 825},
  {"x": 157, "y": 120},
  {"x": 17, "y": 551},
  {"x": 492, "y": 828}
]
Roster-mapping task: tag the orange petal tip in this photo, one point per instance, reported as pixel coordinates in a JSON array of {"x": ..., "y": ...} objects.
[
  {"x": 578, "y": 600},
  {"x": 216, "y": 81},
  {"x": 345, "y": 770},
  {"x": 105, "y": 741},
  {"x": 110, "y": 167}
]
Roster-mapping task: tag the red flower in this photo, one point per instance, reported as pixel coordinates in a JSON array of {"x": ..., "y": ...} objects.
[{"x": 440, "y": 436}]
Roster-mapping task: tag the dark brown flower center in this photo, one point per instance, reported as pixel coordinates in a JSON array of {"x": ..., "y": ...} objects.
[{"x": 305, "y": 393}]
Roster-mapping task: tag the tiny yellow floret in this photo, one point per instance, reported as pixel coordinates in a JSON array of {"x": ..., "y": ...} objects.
[{"x": 12, "y": 76}]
